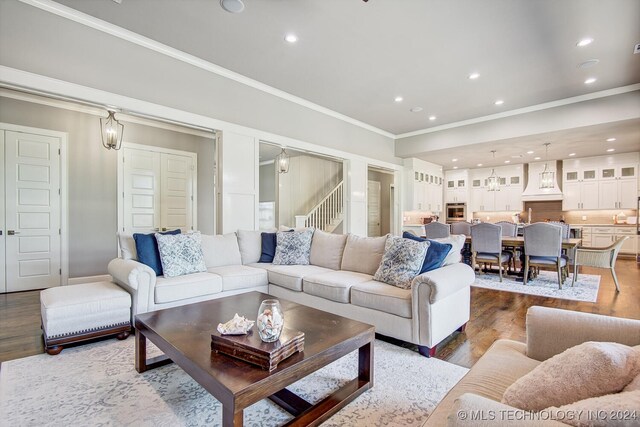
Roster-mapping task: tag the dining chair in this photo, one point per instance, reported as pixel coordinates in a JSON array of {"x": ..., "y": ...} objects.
[
  {"x": 486, "y": 246},
  {"x": 462, "y": 227},
  {"x": 543, "y": 248},
  {"x": 437, "y": 230},
  {"x": 509, "y": 229},
  {"x": 600, "y": 258},
  {"x": 566, "y": 233}
]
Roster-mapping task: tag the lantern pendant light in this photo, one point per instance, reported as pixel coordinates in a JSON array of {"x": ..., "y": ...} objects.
[
  {"x": 493, "y": 182},
  {"x": 111, "y": 131},
  {"x": 283, "y": 162},
  {"x": 547, "y": 177}
]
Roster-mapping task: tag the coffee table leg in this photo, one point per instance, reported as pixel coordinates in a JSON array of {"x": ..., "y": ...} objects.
[
  {"x": 142, "y": 363},
  {"x": 365, "y": 363},
  {"x": 231, "y": 417}
]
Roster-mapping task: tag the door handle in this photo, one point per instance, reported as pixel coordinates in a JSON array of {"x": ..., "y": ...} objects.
[{"x": 12, "y": 232}]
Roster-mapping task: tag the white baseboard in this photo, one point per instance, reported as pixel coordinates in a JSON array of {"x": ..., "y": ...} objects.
[{"x": 89, "y": 279}]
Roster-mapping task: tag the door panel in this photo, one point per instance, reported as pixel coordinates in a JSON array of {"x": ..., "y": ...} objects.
[
  {"x": 141, "y": 190},
  {"x": 608, "y": 197},
  {"x": 176, "y": 208},
  {"x": 32, "y": 182},
  {"x": 373, "y": 208},
  {"x": 628, "y": 190},
  {"x": 589, "y": 194}
]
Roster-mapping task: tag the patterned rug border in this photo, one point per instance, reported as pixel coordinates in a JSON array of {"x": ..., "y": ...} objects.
[{"x": 585, "y": 289}]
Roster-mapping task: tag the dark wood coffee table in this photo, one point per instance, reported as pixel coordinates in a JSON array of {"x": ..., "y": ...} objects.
[{"x": 184, "y": 335}]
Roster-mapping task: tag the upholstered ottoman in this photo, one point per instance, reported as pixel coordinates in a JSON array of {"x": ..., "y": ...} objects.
[{"x": 77, "y": 313}]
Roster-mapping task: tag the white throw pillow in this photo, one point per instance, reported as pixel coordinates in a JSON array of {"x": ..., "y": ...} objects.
[
  {"x": 327, "y": 249},
  {"x": 220, "y": 250},
  {"x": 401, "y": 262},
  {"x": 457, "y": 242},
  {"x": 293, "y": 247},
  {"x": 127, "y": 246},
  {"x": 363, "y": 254},
  {"x": 180, "y": 254},
  {"x": 618, "y": 409},
  {"x": 587, "y": 370},
  {"x": 250, "y": 243}
]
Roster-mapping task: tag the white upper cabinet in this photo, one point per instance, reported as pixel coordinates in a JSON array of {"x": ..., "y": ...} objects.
[
  {"x": 507, "y": 198},
  {"x": 607, "y": 182},
  {"x": 424, "y": 186},
  {"x": 456, "y": 186}
]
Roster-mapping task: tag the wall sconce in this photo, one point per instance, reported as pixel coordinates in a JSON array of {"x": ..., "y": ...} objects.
[
  {"x": 111, "y": 131},
  {"x": 283, "y": 162}
]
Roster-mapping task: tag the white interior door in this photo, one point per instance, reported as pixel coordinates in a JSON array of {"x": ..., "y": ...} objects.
[
  {"x": 32, "y": 206},
  {"x": 373, "y": 208},
  {"x": 3, "y": 230},
  {"x": 176, "y": 207},
  {"x": 141, "y": 194}
]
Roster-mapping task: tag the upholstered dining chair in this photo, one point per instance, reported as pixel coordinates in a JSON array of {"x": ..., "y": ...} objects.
[
  {"x": 509, "y": 229},
  {"x": 486, "y": 246},
  {"x": 462, "y": 227},
  {"x": 437, "y": 230},
  {"x": 566, "y": 233},
  {"x": 543, "y": 248},
  {"x": 599, "y": 257}
]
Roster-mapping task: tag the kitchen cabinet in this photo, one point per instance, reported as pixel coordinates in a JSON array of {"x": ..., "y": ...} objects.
[
  {"x": 424, "y": 191},
  {"x": 580, "y": 195},
  {"x": 456, "y": 186},
  {"x": 603, "y": 236},
  {"x": 617, "y": 187},
  {"x": 507, "y": 198}
]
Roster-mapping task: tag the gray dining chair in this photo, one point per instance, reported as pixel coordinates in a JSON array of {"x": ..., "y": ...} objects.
[
  {"x": 600, "y": 258},
  {"x": 509, "y": 229},
  {"x": 436, "y": 230},
  {"x": 566, "y": 233},
  {"x": 543, "y": 248},
  {"x": 462, "y": 227},
  {"x": 486, "y": 246}
]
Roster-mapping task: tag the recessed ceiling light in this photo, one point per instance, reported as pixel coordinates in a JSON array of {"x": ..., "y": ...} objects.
[
  {"x": 536, "y": 158},
  {"x": 589, "y": 63},
  {"x": 584, "y": 42},
  {"x": 398, "y": 99},
  {"x": 479, "y": 164},
  {"x": 572, "y": 154},
  {"x": 455, "y": 167},
  {"x": 590, "y": 80},
  {"x": 529, "y": 152},
  {"x": 416, "y": 109},
  {"x": 610, "y": 150},
  {"x": 432, "y": 118},
  {"x": 499, "y": 102},
  {"x": 233, "y": 6},
  {"x": 507, "y": 161},
  {"x": 611, "y": 139},
  {"x": 473, "y": 76},
  {"x": 291, "y": 38},
  {"x": 454, "y": 160}
]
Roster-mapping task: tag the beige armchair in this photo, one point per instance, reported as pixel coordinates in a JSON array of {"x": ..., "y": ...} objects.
[{"x": 600, "y": 258}]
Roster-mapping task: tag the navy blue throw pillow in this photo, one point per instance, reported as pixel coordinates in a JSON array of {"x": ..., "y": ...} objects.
[
  {"x": 147, "y": 249},
  {"x": 436, "y": 253},
  {"x": 268, "y": 247}
]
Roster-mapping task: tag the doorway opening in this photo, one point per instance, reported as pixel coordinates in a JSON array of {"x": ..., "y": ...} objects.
[{"x": 380, "y": 201}]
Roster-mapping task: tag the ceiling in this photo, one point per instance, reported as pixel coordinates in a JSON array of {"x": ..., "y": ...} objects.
[
  {"x": 355, "y": 58},
  {"x": 583, "y": 142}
]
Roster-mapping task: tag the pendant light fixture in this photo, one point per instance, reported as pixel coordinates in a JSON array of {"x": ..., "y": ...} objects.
[
  {"x": 547, "y": 177},
  {"x": 493, "y": 182},
  {"x": 111, "y": 131},
  {"x": 283, "y": 162}
]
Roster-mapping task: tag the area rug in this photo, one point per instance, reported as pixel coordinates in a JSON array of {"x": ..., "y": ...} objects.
[
  {"x": 545, "y": 285},
  {"x": 97, "y": 385}
]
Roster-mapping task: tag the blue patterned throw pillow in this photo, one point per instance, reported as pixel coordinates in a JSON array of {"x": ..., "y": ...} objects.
[
  {"x": 435, "y": 255},
  {"x": 401, "y": 262},
  {"x": 181, "y": 254},
  {"x": 293, "y": 247}
]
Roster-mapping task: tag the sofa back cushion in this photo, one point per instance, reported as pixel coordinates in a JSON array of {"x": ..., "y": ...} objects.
[
  {"x": 127, "y": 246},
  {"x": 363, "y": 254},
  {"x": 221, "y": 250},
  {"x": 250, "y": 244},
  {"x": 327, "y": 249}
]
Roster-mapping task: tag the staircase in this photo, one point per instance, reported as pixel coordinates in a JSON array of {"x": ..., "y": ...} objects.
[{"x": 326, "y": 215}]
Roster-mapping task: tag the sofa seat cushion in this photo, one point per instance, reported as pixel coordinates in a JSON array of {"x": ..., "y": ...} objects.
[
  {"x": 501, "y": 365},
  {"x": 334, "y": 286},
  {"x": 382, "y": 297},
  {"x": 240, "y": 277},
  {"x": 193, "y": 285},
  {"x": 290, "y": 276}
]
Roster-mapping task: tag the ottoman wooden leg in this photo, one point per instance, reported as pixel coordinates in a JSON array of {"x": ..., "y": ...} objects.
[
  {"x": 54, "y": 349},
  {"x": 123, "y": 335}
]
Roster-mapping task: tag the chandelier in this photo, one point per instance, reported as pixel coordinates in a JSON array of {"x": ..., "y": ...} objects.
[
  {"x": 547, "y": 177},
  {"x": 111, "y": 131},
  {"x": 493, "y": 182}
]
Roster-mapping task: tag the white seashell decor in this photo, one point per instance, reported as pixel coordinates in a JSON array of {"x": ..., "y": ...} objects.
[{"x": 239, "y": 325}]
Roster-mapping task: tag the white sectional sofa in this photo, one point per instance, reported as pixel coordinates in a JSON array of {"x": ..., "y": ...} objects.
[{"x": 339, "y": 280}]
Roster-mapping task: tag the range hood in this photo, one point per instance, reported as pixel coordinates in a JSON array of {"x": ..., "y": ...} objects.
[{"x": 533, "y": 192}]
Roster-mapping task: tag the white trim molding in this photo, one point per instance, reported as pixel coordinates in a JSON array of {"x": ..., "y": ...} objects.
[{"x": 124, "y": 34}]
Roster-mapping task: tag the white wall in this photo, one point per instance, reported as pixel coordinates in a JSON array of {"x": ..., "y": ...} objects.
[{"x": 92, "y": 177}]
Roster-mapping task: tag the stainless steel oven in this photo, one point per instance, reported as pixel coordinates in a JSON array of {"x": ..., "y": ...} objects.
[{"x": 456, "y": 212}]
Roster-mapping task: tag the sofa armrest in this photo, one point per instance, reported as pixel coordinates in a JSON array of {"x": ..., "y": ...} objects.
[
  {"x": 472, "y": 410},
  {"x": 551, "y": 331},
  {"x": 444, "y": 281},
  {"x": 137, "y": 279}
]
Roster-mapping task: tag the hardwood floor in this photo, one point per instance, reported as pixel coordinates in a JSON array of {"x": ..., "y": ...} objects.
[{"x": 494, "y": 315}]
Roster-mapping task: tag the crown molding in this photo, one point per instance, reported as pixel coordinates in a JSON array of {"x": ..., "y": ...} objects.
[
  {"x": 124, "y": 34},
  {"x": 525, "y": 110}
]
